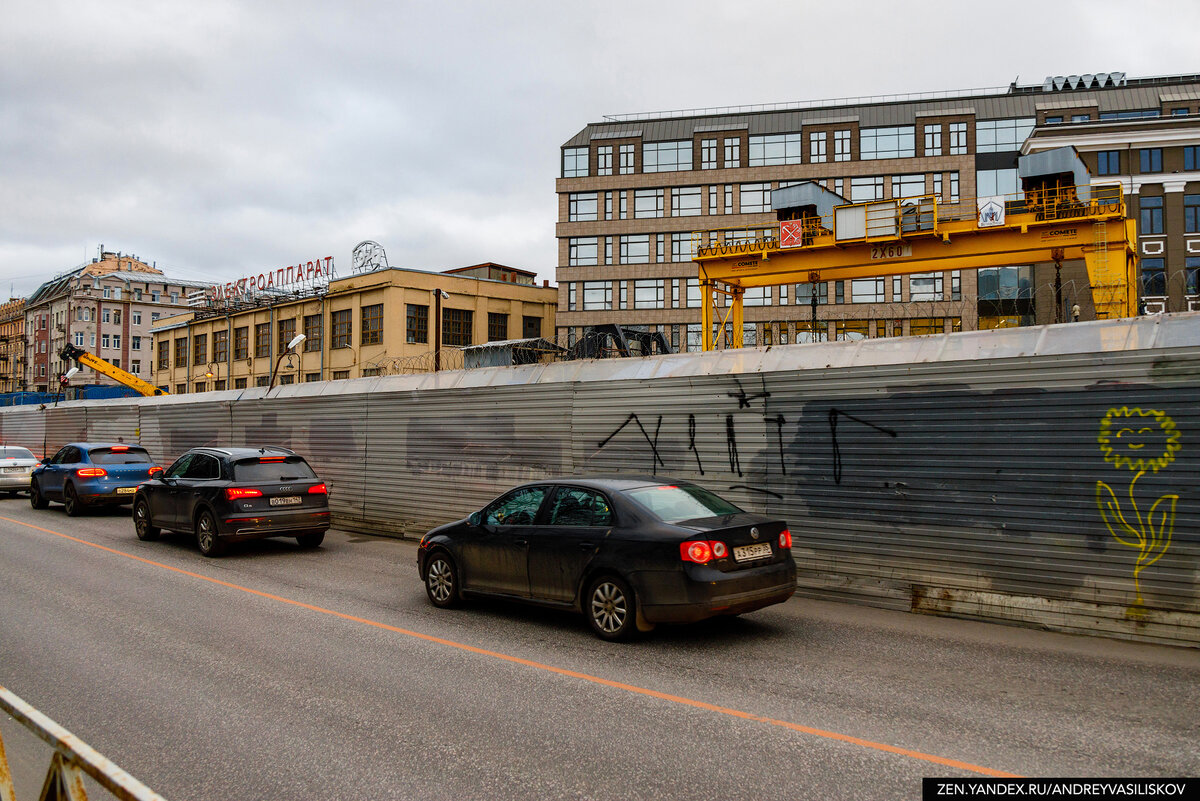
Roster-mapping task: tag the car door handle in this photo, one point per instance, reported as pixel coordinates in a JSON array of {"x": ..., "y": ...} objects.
[
  {"x": 586, "y": 546},
  {"x": 522, "y": 543}
]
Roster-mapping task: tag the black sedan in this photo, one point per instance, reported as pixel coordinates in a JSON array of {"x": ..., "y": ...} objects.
[
  {"x": 227, "y": 494},
  {"x": 627, "y": 552}
]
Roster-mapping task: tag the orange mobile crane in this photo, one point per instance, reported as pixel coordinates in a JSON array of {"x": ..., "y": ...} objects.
[
  {"x": 821, "y": 237},
  {"x": 93, "y": 361}
]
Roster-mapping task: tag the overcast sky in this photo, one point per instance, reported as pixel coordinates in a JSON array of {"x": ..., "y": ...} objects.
[{"x": 229, "y": 137}]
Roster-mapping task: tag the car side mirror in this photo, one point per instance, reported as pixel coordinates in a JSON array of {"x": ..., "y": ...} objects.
[{"x": 475, "y": 518}]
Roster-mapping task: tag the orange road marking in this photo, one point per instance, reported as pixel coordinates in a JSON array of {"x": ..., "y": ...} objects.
[{"x": 675, "y": 699}]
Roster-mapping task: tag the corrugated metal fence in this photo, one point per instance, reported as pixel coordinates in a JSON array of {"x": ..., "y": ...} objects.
[{"x": 1046, "y": 475}]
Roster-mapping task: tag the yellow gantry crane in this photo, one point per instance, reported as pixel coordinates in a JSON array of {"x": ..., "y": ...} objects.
[
  {"x": 821, "y": 237},
  {"x": 85, "y": 359}
]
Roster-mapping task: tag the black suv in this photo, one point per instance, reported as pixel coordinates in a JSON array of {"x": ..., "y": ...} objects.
[{"x": 228, "y": 494}]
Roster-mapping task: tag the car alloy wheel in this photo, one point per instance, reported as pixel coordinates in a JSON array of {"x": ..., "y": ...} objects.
[
  {"x": 206, "y": 535},
  {"x": 441, "y": 581},
  {"x": 141, "y": 521},
  {"x": 71, "y": 501},
  {"x": 36, "y": 499},
  {"x": 610, "y": 609}
]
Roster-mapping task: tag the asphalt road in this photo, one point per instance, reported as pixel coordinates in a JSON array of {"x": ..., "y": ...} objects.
[{"x": 275, "y": 673}]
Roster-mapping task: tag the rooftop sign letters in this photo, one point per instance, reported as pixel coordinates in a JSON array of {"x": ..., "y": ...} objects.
[{"x": 306, "y": 274}]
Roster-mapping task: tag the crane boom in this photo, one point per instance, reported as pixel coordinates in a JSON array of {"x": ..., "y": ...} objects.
[
  {"x": 85, "y": 359},
  {"x": 820, "y": 237}
]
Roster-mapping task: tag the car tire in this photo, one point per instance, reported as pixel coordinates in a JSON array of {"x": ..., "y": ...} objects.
[
  {"x": 611, "y": 609},
  {"x": 71, "y": 503},
  {"x": 36, "y": 499},
  {"x": 441, "y": 581},
  {"x": 207, "y": 539},
  {"x": 146, "y": 531},
  {"x": 312, "y": 539}
]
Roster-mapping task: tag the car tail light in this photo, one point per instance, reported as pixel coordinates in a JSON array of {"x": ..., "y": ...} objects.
[
  {"x": 702, "y": 551},
  {"x": 262, "y": 459},
  {"x": 318, "y": 489},
  {"x": 154, "y": 469},
  {"x": 233, "y": 493},
  {"x": 91, "y": 472},
  {"x": 119, "y": 448},
  {"x": 785, "y": 539}
]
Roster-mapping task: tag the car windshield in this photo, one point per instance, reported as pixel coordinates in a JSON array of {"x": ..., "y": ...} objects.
[
  {"x": 687, "y": 502},
  {"x": 10, "y": 452},
  {"x": 119, "y": 455},
  {"x": 272, "y": 468}
]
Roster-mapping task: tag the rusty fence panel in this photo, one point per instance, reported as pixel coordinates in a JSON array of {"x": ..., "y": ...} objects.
[{"x": 71, "y": 759}]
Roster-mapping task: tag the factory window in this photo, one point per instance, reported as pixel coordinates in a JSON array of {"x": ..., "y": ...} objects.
[
  {"x": 314, "y": 332},
  {"x": 841, "y": 145},
  {"x": 181, "y": 352},
  {"x": 647, "y": 203},
  {"x": 497, "y": 326},
  {"x": 241, "y": 342},
  {"x": 199, "y": 348},
  {"x": 666, "y": 156},
  {"x": 996, "y": 136},
  {"x": 581, "y": 251},
  {"x": 417, "y": 324},
  {"x": 958, "y": 138},
  {"x": 733, "y": 152},
  {"x": 923, "y": 326},
  {"x": 933, "y": 140},
  {"x": 887, "y": 143},
  {"x": 776, "y": 149},
  {"x": 372, "y": 325},
  {"x": 626, "y": 154},
  {"x": 456, "y": 327},
  {"x": 531, "y": 327},
  {"x": 1151, "y": 215},
  {"x": 164, "y": 357},
  {"x": 220, "y": 346},
  {"x": 755, "y": 198},
  {"x": 685, "y": 201},
  {"x": 1150, "y": 159},
  {"x": 708, "y": 154},
  {"x": 575, "y": 162},
  {"x": 648, "y": 294},
  {"x": 635, "y": 249},
  {"x": 287, "y": 332},
  {"x": 604, "y": 160},
  {"x": 262, "y": 339},
  {"x": 581, "y": 206},
  {"x": 340, "y": 324},
  {"x": 816, "y": 147},
  {"x": 1108, "y": 162},
  {"x": 597, "y": 295}
]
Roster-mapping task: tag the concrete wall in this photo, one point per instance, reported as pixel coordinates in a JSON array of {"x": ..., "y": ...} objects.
[{"x": 1044, "y": 476}]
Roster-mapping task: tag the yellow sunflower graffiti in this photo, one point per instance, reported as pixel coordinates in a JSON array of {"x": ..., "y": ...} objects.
[{"x": 1141, "y": 440}]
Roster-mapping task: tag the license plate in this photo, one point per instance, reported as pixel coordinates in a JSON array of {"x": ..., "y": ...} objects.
[
  {"x": 745, "y": 553},
  {"x": 13, "y": 469},
  {"x": 286, "y": 500},
  {"x": 126, "y": 490}
]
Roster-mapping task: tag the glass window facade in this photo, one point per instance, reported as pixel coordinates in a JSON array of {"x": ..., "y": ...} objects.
[
  {"x": 708, "y": 154},
  {"x": 340, "y": 324},
  {"x": 1151, "y": 215},
  {"x": 841, "y": 146},
  {"x": 1154, "y": 277},
  {"x": 997, "y": 136},
  {"x": 648, "y": 294},
  {"x": 372, "y": 325},
  {"x": 647, "y": 203},
  {"x": 776, "y": 149},
  {"x": 416, "y": 324},
  {"x": 581, "y": 206},
  {"x": 816, "y": 146},
  {"x": 933, "y": 140},
  {"x": 575, "y": 162},
  {"x": 685, "y": 201},
  {"x": 887, "y": 143},
  {"x": 457, "y": 325},
  {"x": 1150, "y": 159},
  {"x": 733, "y": 152},
  {"x": 597, "y": 295},
  {"x": 666, "y": 156},
  {"x": 1108, "y": 162},
  {"x": 582, "y": 251},
  {"x": 755, "y": 198}
]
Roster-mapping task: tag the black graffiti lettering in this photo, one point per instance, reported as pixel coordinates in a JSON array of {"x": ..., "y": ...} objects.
[
  {"x": 653, "y": 443},
  {"x": 735, "y": 461},
  {"x": 757, "y": 489},
  {"x": 692, "y": 442},
  {"x": 837, "y": 451},
  {"x": 743, "y": 399},
  {"x": 779, "y": 433}
]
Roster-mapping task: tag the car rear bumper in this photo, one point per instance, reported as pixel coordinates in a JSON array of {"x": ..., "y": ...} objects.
[
  {"x": 116, "y": 495},
  {"x": 697, "y": 592},
  {"x": 273, "y": 524},
  {"x": 14, "y": 481}
]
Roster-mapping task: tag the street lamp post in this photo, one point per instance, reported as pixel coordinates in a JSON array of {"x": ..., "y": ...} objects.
[
  {"x": 296, "y": 340},
  {"x": 215, "y": 375}
]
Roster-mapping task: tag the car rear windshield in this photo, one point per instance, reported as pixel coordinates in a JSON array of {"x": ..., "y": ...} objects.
[
  {"x": 688, "y": 502},
  {"x": 256, "y": 470},
  {"x": 129, "y": 455},
  {"x": 10, "y": 452}
]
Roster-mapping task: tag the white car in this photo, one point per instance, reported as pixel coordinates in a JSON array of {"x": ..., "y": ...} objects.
[{"x": 16, "y": 464}]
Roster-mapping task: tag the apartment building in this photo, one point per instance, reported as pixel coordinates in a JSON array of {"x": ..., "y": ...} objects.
[
  {"x": 12, "y": 345},
  {"x": 637, "y": 191},
  {"x": 107, "y": 307}
]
